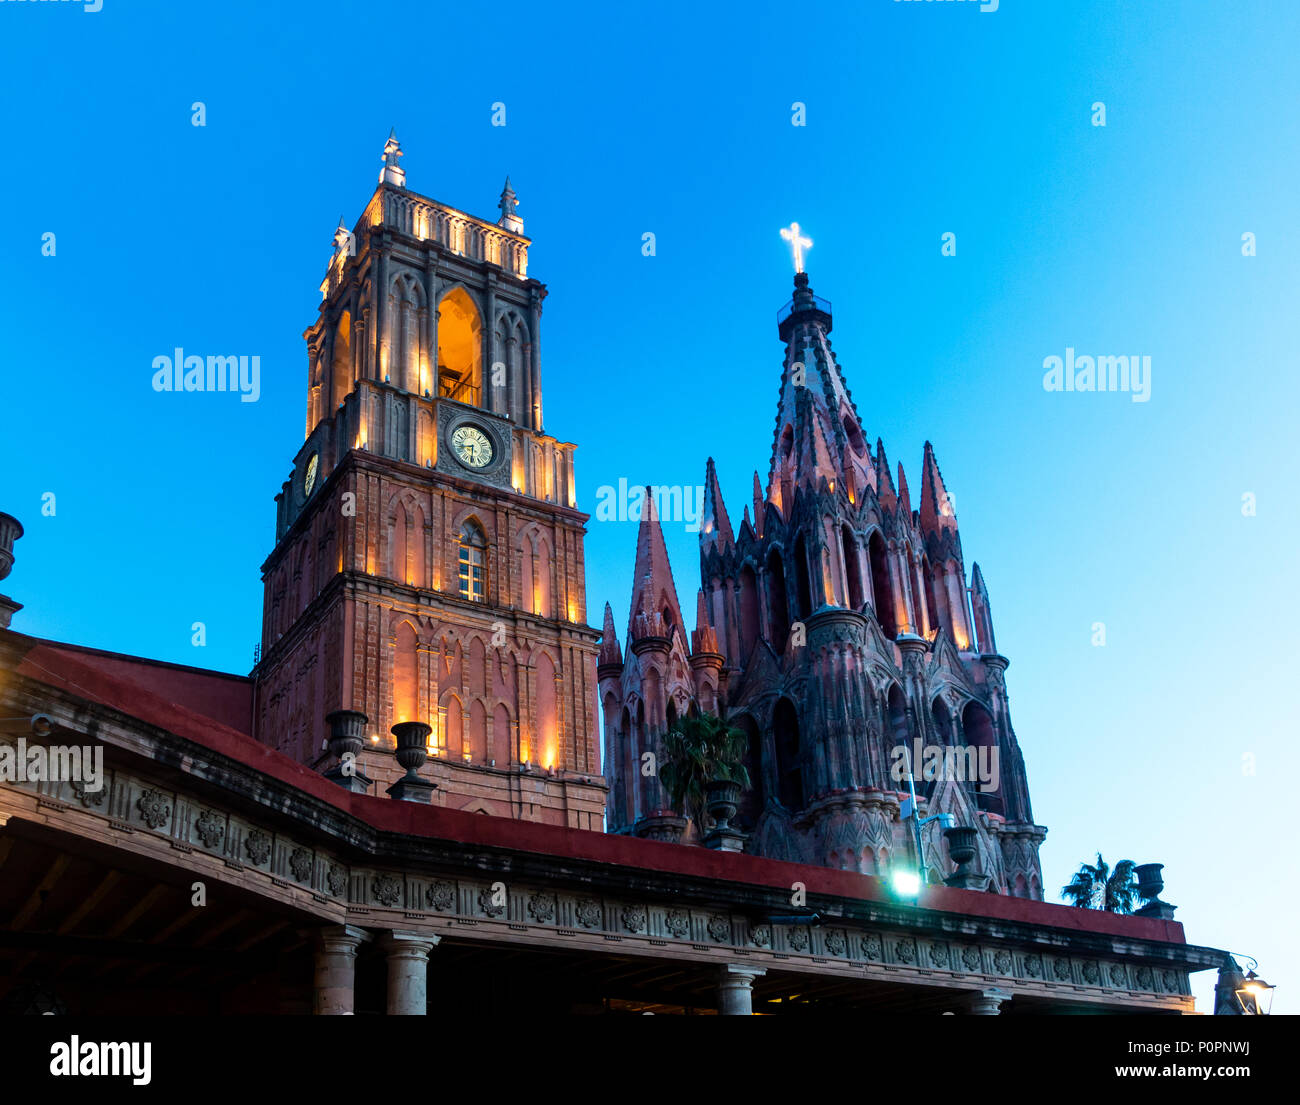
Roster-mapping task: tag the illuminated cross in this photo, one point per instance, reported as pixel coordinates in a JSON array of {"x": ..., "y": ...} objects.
[{"x": 798, "y": 242}]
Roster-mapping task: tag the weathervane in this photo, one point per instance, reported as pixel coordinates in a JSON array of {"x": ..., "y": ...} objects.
[{"x": 797, "y": 242}]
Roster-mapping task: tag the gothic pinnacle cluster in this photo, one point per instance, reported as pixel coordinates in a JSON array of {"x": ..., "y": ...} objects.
[{"x": 834, "y": 626}]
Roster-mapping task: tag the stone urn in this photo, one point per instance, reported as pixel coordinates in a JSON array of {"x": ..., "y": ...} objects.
[
  {"x": 668, "y": 827},
  {"x": 347, "y": 733},
  {"x": 1150, "y": 880},
  {"x": 961, "y": 846},
  {"x": 347, "y": 738},
  {"x": 10, "y": 531},
  {"x": 1150, "y": 884},
  {"x": 412, "y": 750},
  {"x": 412, "y": 746},
  {"x": 722, "y": 798}
]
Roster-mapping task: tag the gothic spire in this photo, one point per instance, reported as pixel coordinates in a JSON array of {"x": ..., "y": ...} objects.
[
  {"x": 509, "y": 204},
  {"x": 610, "y": 653},
  {"x": 655, "y": 611},
  {"x": 936, "y": 507},
  {"x": 982, "y": 612},
  {"x": 884, "y": 481},
  {"x": 818, "y": 435},
  {"x": 392, "y": 173},
  {"x": 904, "y": 497},
  {"x": 704, "y": 638},
  {"x": 715, "y": 526}
]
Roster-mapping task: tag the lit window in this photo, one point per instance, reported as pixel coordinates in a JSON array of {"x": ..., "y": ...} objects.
[{"x": 472, "y": 559}]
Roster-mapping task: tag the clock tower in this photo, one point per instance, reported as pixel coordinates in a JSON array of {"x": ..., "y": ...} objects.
[{"x": 428, "y": 564}]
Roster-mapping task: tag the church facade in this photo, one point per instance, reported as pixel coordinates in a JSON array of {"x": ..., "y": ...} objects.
[
  {"x": 402, "y": 809},
  {"x": 836, "y": 629}
]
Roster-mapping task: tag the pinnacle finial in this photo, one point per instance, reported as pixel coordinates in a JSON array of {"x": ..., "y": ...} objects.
[
  {"x": 392, "y": 173},
  {"x": 509, "y": 204}
]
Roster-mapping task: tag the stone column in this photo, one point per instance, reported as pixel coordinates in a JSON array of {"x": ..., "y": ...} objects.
[
  {"x": 735, "y": 989},
  {"x": 336, "y": 968},
  {"x": 988, "y": 1003},
  {"x": 535, "y": 369},
  {"x": 408, "y": 971}
]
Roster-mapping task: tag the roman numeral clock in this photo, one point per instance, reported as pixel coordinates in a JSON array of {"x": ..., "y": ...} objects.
[{"x": 474, "y": 443}]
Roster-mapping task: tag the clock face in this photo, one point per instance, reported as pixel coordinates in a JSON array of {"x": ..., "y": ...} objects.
[
  {"x": 309, "y": 476},
  {"x": 473, "y": 448}
]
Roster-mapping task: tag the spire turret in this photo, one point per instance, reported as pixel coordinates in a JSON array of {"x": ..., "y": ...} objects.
[
  {"x": 715, "y": 526},
  {"x": 981, "y": 612},
  {"x": 704, "y": 639},
  {"x": 937, "y": 513},
  {"x": 610, "y": 653},
  {"x": 392, "y": 173},
  {"x": 884, "y": 481},
  {"x": 655, "y": 611},
  {"x": 509, "y": 203}
]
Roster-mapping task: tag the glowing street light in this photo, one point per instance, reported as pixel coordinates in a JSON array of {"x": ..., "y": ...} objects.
[{"x": 1255, "y": 995}]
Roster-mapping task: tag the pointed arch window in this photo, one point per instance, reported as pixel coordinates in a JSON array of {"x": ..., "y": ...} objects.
[{"x": 472, "y": 560}]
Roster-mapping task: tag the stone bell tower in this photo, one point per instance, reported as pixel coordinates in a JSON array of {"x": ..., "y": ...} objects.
[{"x": 428, "y": 561}]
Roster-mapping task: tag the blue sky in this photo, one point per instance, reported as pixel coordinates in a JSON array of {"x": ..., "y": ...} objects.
[{"x": 922, "y": 119}]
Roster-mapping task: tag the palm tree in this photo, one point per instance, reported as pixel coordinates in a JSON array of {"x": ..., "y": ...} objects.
[
  {"x": 699, "y": 750},
  {"x": 1096, "y": 886}
]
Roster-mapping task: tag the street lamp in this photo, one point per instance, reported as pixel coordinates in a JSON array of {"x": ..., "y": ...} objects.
[
  {"x": 908, "y": 883},
  {"x": 1255, "y": 995}
]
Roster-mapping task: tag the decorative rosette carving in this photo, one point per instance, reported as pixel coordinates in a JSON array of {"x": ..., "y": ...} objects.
[
  {"x": 541, "y": 906},
  {"x": 257, "y": 845},
  {"x": 587, "y": 913},
  {"x": 89, "y": 798},
  {"x": 488, "y": 904},
  {"x": 387, "y": 889},
  {"x": 154, "y": 807},
  {"x": 300, "y": 864},
  {"x": 211, "y": 827},
  {"x": 440, "y": 895}
]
